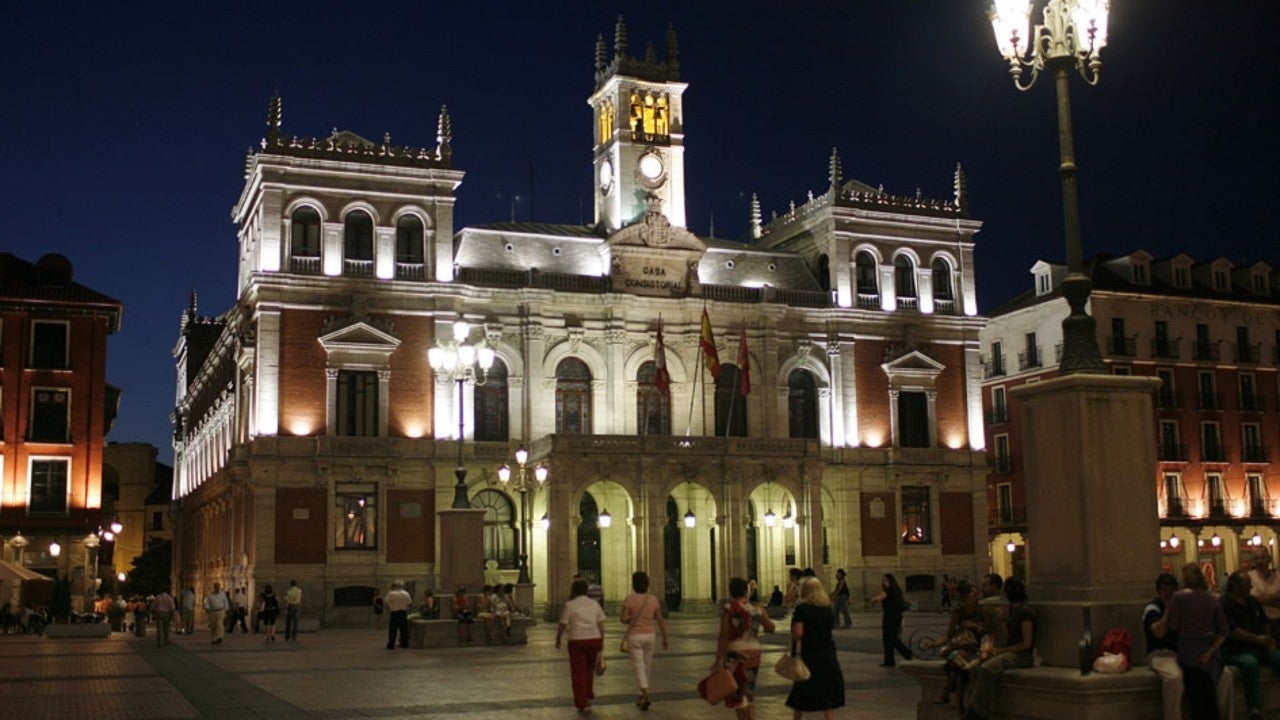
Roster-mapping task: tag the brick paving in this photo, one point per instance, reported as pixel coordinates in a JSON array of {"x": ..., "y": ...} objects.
[{"x": 339, "y": 674}]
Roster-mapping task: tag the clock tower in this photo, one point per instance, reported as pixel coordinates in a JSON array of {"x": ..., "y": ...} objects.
[{"x": 639, "y": 133}]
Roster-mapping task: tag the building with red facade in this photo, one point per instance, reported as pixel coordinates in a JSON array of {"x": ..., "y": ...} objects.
[{"x": 1210, "y": 330}]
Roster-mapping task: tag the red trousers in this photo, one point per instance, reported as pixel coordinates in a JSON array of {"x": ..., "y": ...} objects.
[{"x": 582, "y": 668}]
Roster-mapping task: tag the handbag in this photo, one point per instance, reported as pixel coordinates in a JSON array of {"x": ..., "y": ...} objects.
[
  {"x": 601, "y": 664},
  {"x": 717, "y": 686},
  {"x": 792, "y": 666}
]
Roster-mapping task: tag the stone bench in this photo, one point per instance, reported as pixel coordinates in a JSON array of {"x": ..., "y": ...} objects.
[
  {"x": 1042, "y": 693},
  {"x": 444, "y": 633}
]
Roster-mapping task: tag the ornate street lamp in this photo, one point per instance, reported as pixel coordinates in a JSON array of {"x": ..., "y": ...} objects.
[
  {"x": 19, "y": 543},
  {"x": 460, "y": 362},
  {"x": 604, "y": 519},
  {"x": 524, "y": 484},
  {"x": 1072, "y": 35}
]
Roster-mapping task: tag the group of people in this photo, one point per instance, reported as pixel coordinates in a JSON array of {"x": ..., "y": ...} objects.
[
  {"x": 26, "y": 619},
  {"x": 1196, "y": 641}
]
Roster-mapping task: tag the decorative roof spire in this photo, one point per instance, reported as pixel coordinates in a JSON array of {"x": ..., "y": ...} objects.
[
  {"x": 189, "y": 315},
  {"x": 275, "y": 111},
  {"x": 962, "y": 190},
  {"x": 755, "y": 215},
  {"x": 673, "y": 51},
  {"x": 835, "y": 171},
  {"x": 650, "y": 55},
  {"x": 602, "y": 57},
  {"x": 444, "y": 134},
  {"x": 620, "y": 39}
]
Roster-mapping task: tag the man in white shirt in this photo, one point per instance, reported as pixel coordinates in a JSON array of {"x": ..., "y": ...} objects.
[
  {"x": 397, "y": 604},
  {"x": 215, "y": 606},
  {"x": 1266, "y": 588}
]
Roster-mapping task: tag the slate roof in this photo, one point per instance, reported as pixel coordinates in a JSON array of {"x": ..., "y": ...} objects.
[{"x": 49, "y": 282}]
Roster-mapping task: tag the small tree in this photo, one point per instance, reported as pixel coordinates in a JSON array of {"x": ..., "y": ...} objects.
[
  {"x": 60, "y": 603},
  {"x": 152, "y": 569}
]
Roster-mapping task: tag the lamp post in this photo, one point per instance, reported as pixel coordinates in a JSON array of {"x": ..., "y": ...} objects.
[
  {"x": 1072, "y": 35},
  {"x": 461, "y": 361},
  {"x": 524, "y": 484}
]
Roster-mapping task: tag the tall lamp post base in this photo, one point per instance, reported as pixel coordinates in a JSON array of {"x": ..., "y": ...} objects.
[{"x": 460, "y": 501}]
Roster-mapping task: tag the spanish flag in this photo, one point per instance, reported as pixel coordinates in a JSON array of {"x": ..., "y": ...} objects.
[
  {"x": 663, "y": 378},
  {"x": 708, "y": 345}
]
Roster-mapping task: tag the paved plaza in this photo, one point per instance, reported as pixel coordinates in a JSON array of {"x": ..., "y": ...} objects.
[{"x": 350, "y": 674}]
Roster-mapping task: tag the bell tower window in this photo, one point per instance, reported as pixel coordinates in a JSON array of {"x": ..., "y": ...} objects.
[{"x": 606, "y": 119}]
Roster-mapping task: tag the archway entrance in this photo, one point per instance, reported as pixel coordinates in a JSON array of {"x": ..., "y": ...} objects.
[
  {"x": 690, "y": 539},
  {"x": 776, "y": 535},
  {"x": 606, "y": 538}
]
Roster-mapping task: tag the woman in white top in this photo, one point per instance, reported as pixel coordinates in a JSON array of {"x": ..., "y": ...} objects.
[
  {"x": 583, "y": 619},
  {"x": 640, "y": 611}
]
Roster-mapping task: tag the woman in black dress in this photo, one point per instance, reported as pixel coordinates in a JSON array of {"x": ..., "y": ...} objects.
[
  {"x": 268, "y": 610},
  {"x": 893, "y": 603},
  {"x": 811, "y": 625}
]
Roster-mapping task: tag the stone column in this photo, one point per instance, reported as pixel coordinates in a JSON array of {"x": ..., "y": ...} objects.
[
  {"x": 461, "y": 549},
  {"x": 1093, "y": 528}
]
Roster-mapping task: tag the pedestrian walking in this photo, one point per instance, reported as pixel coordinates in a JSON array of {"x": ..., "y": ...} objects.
[
  {"x": 189, "y": 611},
  {"x": 397, "y": 604},
  {"x": 215, "y": 607},
  {"x": 840, "y": 598},
  {"x": 811, "y": 626},
  {"x": 583, "y": 621},
  {"x": 240, "y": 612},
  {"x": 162, "y": 607},
  {"x": 268, "y": 611},
  {"x": 641, "y": 612},
  {"x": 738, "y": 646},
  {"x": 892, "y": 604},
  {"x": 292, "y": 611}
]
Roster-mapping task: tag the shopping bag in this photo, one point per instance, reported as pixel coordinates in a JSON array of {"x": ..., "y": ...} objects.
[{"x": 717, "y": 686}]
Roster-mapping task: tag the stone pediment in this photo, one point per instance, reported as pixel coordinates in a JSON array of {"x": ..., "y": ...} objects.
[
  {"x": 359, "y": 336},
  {"x": 913, "y": 363},
  {"x": 655, "y": 231}
]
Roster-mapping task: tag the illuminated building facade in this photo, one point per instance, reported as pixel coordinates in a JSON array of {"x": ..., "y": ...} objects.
[
  {"x": 313, "y": 441},
  {"x": 1211, "y": 332},
  {"x": 55, "y": 411}
]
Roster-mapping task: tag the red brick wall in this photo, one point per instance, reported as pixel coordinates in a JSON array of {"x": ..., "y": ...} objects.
[
  {"x": 411, "y": 412},
  {"x": 302, "y": 380},
  {"x": 873, "y": 392},
  {"x": 952, "y": 408},
  {"x": 301, "y": 539},
  {"x": 879, "y": 535},
  {"x": 955, "y": 511},
  {"x": 410, "y": 539}
]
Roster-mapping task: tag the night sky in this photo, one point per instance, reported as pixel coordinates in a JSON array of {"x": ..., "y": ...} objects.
[{"x": 125, "y": 124}]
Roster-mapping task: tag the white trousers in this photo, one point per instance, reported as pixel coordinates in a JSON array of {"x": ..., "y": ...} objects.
[
  {"x": 642, "y": 646},
  {"x": 1165, "y": 665}
]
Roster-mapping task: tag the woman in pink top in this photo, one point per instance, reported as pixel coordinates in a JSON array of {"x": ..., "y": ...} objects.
[{"x": 640, "y": 612}]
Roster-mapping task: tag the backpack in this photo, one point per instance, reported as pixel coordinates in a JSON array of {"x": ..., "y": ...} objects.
[{"x": 1117, "y": 642}]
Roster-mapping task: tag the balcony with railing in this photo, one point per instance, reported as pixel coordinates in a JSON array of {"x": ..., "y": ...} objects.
[
  {"x": 1172, "y": 508},
  {"x": 411, "y": 270},
  {"x": 869, "y": 301},
  {"x": 906, "y": 302},
  {"x": 1123, "y": 346},
  {"x": 1253, "y": 454},
  {"x": 1248, "y": 352},
  {"x": 1207, "y": 351},
  {"x": 304, "y": 264},
  {"x": 357, "y": 268},
  {"x": 1208, "y": 401},
  {"x": 944, "y": 307},
  {"x": 1213, "y": 453},
  {"x": 1006, "y": 516},
  {"x": 1252, "y": 402},
  {"x": 1030, "y": 358},
  {"x": 1217, "y": 507},
  {"x": 1171, "y": 452},
  {"x": 994, "y": 367},
  {"x": 998, "y": 415},
  {"x": 1239, "y": 507},
  {"x": 1166, "y": 349}
]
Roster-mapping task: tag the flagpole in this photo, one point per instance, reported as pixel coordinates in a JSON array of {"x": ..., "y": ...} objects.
[{"x": 693, "y": 394}]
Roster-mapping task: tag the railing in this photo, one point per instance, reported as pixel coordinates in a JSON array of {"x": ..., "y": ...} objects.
[
  {"x": 304, "y": 264},
  {"x": 1214, "y": 453},
  {"x": 732, "y": 293},
  {"x": 1171, "y": 452},
  {"x": 1174, "y": 508},
  {"x": 1006, "y": 515},
  {"x": 1029, "y": 358},
  {"x": 357, "y": 268},
  {"x": 908, "y": 303},
  {"x": 1168, "y": 399},
  {"x": 1165, "y": 349},
  {"x": 1207, "y": 351},
  {"x": 1209, "y": 401},
  {"x": 998, "y": 415},
  {"x": 1126, "y": 346},
  {"x": 1249, "y": 353},
  {"x": 800, "y": 298},
  {"x": 869, "y": 301},
  {"x": 1217, "y": 507},
  {"x": 1003, "y": 464},
  {"x": 1253, "y": 454},
  {"x": 410, "y": 270},
  {"x": 994, "y": 368},
  {"x": 944, "y": 307},
  {"x": 1250, "y": 402}
]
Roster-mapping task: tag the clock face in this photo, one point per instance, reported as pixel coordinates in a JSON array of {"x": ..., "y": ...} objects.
[
  {"x": 606, "y": 175},
  {"x": 651, "y": 166}
]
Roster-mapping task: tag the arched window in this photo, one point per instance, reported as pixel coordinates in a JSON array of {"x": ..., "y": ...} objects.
[
  {"x": 653, "y": 407},
  {"x": 824, "y": 272},
  {"x": 904, "y": 276},
  {"x": 941, "y": 279},
  {"x": 409, "y": 235},
  {"x": 865, "y": 269},
  {"x": 573, "y": 397},
  {"x": 802, "y": 404},
  {"x": 499, "y": 526},
  {"x": 357, "y": 236},
  {"x": 589, "y": 536},
  {"x": 731, "y": 404},
  {"x": 491, "y": 404},
  {"x": 304, "y": 233}
]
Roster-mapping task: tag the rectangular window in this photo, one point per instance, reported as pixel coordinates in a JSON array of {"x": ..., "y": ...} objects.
[
  {"x": 1260, "y": 283},
  {"x": 48, "y": 490},
  {"x": 1170, "y": 442},
  {"x": 1251, "y": 449},
  {"x": 1004, "y": 502},
  {"x": 50, "y": 415},
  {"x": 999, "y": 408},
  {"x": 1004, "y": 463},
  {"x": 1042, "y": 284},
  {"x": 1166, "y": 397},
  {"x": 157, "y": 520},
  {"x": 1244, "y": 350},
  {"x": 1181, "y": 277},
  {"x": 1173, "y": 495},
  {"x": 355, "y": 516},
  {"x": 1249, "y": 399},
  {"x": 1204, "y": 348},
  {"x": 1219, "y": 280},
  {"x": 1258, "y": 500},
  {"x": 1139, "y": 274},
  {"x": 1216, "y": 494},
  {"x": 1031, "y": 355},
  {"x": 49, "y": 345},
  {"x": 913, "y": 420},
  {"x": 357, "y": 404},
  {"x": 1211, "y": 449},
  {"x": 916, "y": 526},
  {"x": 1208, "y": 391}
]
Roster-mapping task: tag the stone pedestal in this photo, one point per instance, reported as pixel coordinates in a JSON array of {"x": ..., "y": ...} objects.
[
  {"x": 1093, "y": 531},
  {"x": 461, "y": 550}
]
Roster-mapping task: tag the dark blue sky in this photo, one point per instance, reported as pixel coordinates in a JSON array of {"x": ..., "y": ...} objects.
[{"x": 125, "y": 124}]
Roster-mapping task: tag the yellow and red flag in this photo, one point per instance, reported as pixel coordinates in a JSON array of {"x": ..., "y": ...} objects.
[{"x": 708, "y": 345}]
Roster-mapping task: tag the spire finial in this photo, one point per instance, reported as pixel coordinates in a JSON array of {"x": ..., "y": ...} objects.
[
  {"x": 275, "y": 111},
  {"x": 620, "y": 39},
  {"x": 711, "y": 231},
  {"x": 962, "y": 190},
  {"x": 755, "y": 215},
  {"x": 191, "y": 303},
  {"x": 444, "y": 134},
  {"x": 673, "y": 51},
  {"x": 834, "y": 171},
  {"x": 602, "y": 58}
]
